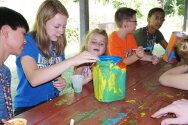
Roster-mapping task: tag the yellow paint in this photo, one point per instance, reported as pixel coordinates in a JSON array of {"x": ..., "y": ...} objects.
[
  {"x": 131, "y": 101},
  {"x": 109, "y": 81},
  {"x": 141, "y": 107},
  {"x": 142, "y": 114}
]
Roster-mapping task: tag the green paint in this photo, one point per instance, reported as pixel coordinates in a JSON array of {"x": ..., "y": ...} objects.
[
  {"x": 92, "y": 114},
  {"x": 104, "y": 120},
  {"x": 166, "y": 95},
  {"x": 151, "y": 85},
  {"x": 80, "y": 116},
  {"x": 61, "y": 102},
  {"x": 86, "y": 115},
  {"x": 114, "y": 120},
  {"x": 116, "y": 108},
  {"x": 109, "y": 81},
  {"x": 133, "y": 122}
]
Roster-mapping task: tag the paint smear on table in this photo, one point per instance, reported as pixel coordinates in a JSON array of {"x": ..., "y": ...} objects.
[
  {"x": 165, "y": 95},
  {"x": 151, "y": 85},
  {"x": 133, "y": 122},
  {"x": 62, "y": 101},
  {"x": 131, "y": 101},
  {"x": 111, "y": 121},
  {"x": 142, "y": 114},
  {"x": 180, "y": 94}
]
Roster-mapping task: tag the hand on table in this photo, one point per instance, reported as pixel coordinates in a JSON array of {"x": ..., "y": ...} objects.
[
  {"x": 154, "y": 60},
  {"x": 59, "y": 83},
  {"x": 140, "y": 52},
  {"x": 179, "y": 108}
]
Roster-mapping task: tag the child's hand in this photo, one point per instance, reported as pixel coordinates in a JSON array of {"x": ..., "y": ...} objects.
[
  {"x": 154, "y": 60},
  {"x": 88, "y": 77},
  {"x": 84, "y": 57},
  {"x": 59, "y": 83},
  {"x": 140, "y": 52},
  {"x": 179, "y": 108}
]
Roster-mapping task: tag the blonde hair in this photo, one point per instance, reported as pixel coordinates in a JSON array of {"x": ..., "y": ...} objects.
[
  {"x": 89, "y": 34},
  {"x": 47, "y": 10},
  {"x": 182, "y": 48}
]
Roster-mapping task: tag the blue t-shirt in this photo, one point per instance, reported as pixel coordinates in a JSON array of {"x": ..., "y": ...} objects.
[
  {"x": 26, "y": 95},
  {"x": 5, "y": 77}
]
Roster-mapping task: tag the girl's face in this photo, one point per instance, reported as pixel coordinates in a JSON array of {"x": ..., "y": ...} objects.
[
  {"x": 55, "y": 27},
  {"x": 15, "y": 40},
  {"x": 97, "y": 44}
]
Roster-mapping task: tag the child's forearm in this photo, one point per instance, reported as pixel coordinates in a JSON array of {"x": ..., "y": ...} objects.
[
  {"x": 131, "y": 59},
  {"x": 147, "y": 58},
  {"x": 178, "y": 70}
]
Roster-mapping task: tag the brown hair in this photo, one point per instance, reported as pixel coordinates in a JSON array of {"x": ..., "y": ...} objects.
[
  {"x": 89, "y": 34},
  {"x": 47, "y": 10},
  {"x": 182, "y": 48},
  {"x": 122, "y": 14}
]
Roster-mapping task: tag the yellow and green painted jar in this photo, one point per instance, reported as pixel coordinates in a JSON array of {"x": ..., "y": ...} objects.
[{"x": 109, "y": 79}]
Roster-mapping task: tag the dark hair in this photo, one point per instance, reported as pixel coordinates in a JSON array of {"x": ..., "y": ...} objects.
[
  {"x": 12, "y": 18},
  {"x": 122, "y": 14},
  {"x": 156, "y": 9}
]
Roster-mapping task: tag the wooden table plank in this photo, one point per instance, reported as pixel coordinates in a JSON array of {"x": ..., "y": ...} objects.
[{"x": 144, "y": 96}]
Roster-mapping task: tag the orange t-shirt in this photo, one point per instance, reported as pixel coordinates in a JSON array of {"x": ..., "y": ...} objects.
[{"x": 118, "y": 46}]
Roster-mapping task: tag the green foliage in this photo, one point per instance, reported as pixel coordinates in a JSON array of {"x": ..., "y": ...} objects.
[
  {"x": 72, "y": 35},
  {"x": 174, "y": 7},
  {"x": 117, "y": 3}
]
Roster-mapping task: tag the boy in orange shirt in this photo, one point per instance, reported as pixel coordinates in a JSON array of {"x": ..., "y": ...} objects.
[{"x": 122, "y": 42}]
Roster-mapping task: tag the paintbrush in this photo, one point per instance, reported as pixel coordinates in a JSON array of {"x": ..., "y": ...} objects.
[
  {"x": 146, "y": 48},
  {"x": 136, "y": 49},
  {"x": 72, "y": 122}
]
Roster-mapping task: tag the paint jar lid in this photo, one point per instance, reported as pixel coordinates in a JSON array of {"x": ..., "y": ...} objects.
[{"x": 113, "y": 59}]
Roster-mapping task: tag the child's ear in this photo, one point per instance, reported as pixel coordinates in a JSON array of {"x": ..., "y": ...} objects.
[{"x": 4, "y": 30}]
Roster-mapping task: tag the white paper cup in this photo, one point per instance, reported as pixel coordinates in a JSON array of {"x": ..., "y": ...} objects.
[
  {"x": 77, "y": 81},
  {"x": 18, "y": 121}
]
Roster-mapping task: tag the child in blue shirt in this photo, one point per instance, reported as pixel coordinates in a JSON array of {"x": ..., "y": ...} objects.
[
  {"x": 42, "y": 61},
  {"x": 13, "y": 26}
]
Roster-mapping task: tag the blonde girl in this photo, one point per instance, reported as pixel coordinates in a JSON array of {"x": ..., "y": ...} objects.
[{"x": 96, "y": 43}]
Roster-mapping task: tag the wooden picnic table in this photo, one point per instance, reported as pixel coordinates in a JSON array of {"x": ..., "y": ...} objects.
[{"x": 144, "y": 96}]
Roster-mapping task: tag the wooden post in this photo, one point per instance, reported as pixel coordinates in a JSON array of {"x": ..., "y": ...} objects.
[
  {"x": 84, "y": 18},
  {"x": 185, "y": 16}
]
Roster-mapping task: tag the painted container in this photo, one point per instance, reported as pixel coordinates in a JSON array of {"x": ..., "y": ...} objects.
[
  {"x": 170, "y": 55},
  {"x": 109, "y": 79}
]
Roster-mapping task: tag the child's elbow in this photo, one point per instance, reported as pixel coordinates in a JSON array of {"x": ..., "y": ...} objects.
[
  {"x": 33, "y": 83},
  {"x": 163, "y": 80}
]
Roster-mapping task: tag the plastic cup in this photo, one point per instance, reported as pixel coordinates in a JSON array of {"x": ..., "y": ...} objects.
[
  {"x": 18, "y": 121},
  {"x": 77, "y": 81}
]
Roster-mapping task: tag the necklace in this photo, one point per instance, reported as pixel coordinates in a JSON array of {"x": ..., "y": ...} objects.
[
  {"x": 151, "y": 39},
  {"x": 5, "y": 84}
]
